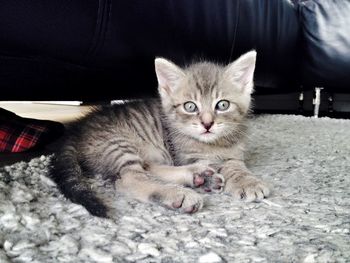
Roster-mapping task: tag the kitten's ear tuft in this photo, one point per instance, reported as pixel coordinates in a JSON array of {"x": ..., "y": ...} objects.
[
  {"x": 168, "y": 74},
  {"x": 241, "y": 71}
]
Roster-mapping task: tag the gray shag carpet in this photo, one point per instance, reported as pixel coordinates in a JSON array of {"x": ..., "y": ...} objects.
[{"x": 307, "y": 218}]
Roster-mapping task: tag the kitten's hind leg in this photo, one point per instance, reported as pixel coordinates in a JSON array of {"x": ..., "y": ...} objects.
[
  {"x": 197, "y": 175},
  {"x": 139, "y": 185}
]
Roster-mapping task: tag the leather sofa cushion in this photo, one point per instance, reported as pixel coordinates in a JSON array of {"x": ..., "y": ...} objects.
[
  {"x": 105, "y": 49},
  {"x": 326, "y": 38}
]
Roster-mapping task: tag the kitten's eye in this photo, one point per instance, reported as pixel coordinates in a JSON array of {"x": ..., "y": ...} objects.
[
  {"x": 190, "y": 106},
  {"x": 222, "y": 105}
]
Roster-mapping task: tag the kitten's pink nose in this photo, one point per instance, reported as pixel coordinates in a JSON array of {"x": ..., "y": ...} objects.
[{"x": 207, "y": 125}]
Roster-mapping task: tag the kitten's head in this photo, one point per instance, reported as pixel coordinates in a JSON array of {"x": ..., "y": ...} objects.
[{"x": 206, "y": 101}]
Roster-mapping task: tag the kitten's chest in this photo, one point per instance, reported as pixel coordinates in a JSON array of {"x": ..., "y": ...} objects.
[{"x": 187, "y": 152}]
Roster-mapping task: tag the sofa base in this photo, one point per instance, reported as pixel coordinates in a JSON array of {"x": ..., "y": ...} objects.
[{"x": 334, "y": 105}]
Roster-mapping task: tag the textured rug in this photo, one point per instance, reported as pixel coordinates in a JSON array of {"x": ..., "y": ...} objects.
[{"x": 307, "y": 218}]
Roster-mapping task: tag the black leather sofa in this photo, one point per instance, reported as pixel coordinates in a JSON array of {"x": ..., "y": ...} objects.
[{"x": 98, "y": 50}]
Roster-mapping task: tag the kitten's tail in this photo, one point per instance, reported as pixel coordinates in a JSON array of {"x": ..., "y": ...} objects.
[{"x": 67, "y": 173}]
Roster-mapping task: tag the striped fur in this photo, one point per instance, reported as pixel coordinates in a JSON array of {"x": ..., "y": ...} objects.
[{"x": 151, "y": 149}]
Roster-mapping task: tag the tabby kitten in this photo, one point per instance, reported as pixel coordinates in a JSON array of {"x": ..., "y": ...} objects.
[{"x": 166, "y": 151}]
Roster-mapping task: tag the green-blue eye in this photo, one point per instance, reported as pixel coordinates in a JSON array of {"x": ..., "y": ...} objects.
[
  {"x": 222, "y": 105},
  {"x": 190, "y": 107}
]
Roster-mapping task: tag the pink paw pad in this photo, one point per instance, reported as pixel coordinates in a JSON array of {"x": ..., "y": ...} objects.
[
  {"x": 191, "y": 209},
  {"x": 198, "y": 180},
  {"x": 177, "y": 204}
]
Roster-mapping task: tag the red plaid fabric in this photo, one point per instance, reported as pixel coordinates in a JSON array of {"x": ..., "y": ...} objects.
[
  {"x": 21, "y": 134},
  {"x": 19, "y": 138}
]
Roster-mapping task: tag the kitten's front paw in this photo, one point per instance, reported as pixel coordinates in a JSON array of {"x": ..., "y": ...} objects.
[
  {"x": 248, "y": 188},
  {"x": 182, "y": 199},
  {"x": 206, "y": 180}
]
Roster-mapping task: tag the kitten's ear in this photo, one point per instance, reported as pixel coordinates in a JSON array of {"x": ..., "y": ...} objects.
[
  {"x": 168, "y": 75},
  {"x": 241, "y": 71}
]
